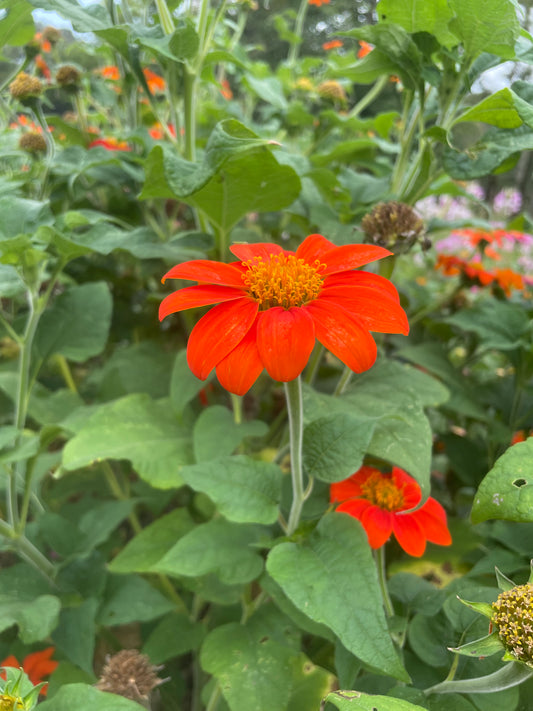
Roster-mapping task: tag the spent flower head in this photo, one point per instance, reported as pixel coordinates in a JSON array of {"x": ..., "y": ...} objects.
[
  {"x": 394, "y": 225},
  {"x": 32, "y": 142},
  {"x": 129, "y": 674},
  {"x": 68, "y": 77},
  {"x": 25, "y": 87}
]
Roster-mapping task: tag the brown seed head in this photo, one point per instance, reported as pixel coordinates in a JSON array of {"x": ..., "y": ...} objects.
[
  {"x": 513, "y": 616},
  {"x": 68, "y": 76},
  {"x": 394, "y": 225},
  {"x": 25, "y": 86},
  {"x": 52, "y": 34},
  {"x": 130, "y": 674},
  {"x": 32, "y": 142}
]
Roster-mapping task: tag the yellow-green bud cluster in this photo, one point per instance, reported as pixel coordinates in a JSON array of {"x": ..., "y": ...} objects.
[
  {"x": 25, "y": 86},
  {"x": 331, "y": 89},
  {"x": 394, "y": 225},
  {"x": 513, "y": 616}
]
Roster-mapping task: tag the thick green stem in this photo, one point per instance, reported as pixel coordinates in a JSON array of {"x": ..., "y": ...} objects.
[
  {"x": 33, "y": 556},
  {"x": 236, "y": 401},
  {"x": 212, "y": 704},
  {"x": 293, "y": 394},
  {"x": 298, "y": 29},
  {"x": 189, "y": 108},
  {"x": 369, "y": 97},
  {"x": 344, "y": 381},
  {"x": 382, "y": 578},
  {"x": 165, "y": 18}
]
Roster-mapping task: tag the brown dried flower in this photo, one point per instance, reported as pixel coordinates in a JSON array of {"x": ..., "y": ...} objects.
[
  {"x": 394, "y": 225},
  {"x": 52, "y": 34},
  {"x": 331, "y": 89},
  {"x": 68, "y": 77},
  {"x": 25, "y": 86},
  {"x": 32, "y": 142},
  {"x": 130, "y": 674}
]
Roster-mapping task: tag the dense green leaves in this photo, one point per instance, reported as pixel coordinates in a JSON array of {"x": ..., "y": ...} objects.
[
  {"x": 86, "y": 698},
  {"x": 332, "y": 578},
  {"x": 216, "y": 433},
  {"x": 488, "y": 26},
  {"x": 420, "y": 16},
  {"x": 348, "y": 700}
]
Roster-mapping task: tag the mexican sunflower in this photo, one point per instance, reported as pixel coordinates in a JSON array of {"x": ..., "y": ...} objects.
[
  {"x": 36, "y": 665},
  {"x": 377, "y": 500},
  {"x": 273, "y": 304}
]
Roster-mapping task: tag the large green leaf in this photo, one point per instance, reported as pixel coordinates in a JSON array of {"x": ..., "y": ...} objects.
[
  {"x": 217, "y": 546},
  {"x": 504, "y": 109},
  {"x": 35, "y": 618},
  {"x": 335, "y": 445},
  {"x": 244, "y": 490},
  {"x": 176, "y": 634},
  {"x": 84, "y": 18},
  {"x": 332, "y": 578},
  {"x": 75, "y": 634},
  {"x": 11, "y": 283},
  {"x": 77, "y": 324},
  {"x": 138, "y": 429},
  {"x": 358, "y": 701},
  {"x": 84, "y": 697},
  {"x": 152, "y": 543},
  {"x": 507, "y": 490},
  {"x": 420, "y": 16},
  {"x": 485, "y": 26},
  {"x": 131, "y": 599},
  {"x": 216, "y": 433},
  {"x": 22, "y": 216},
  {"x": 16, "y": 27},
  {"x": 183, "y": 384},
  {"x": 498, "y": 324}
]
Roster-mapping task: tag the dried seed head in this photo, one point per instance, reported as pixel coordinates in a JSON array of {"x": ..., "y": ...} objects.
[
  {"x": 32, "y": 142},
  {"x": 394, "y": 225},
  {"x": 331, "y": 89},
  {"x": 68, "y": 77},
  {"x": 130, "y": 674},
  {"x": 25, "y": 86},
  {"x": 52, "y": 34},
  {"x": 513, "y": 616}
]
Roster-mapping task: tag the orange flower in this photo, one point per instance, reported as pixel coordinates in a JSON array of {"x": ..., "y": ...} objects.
[
  {"x": 226, "y": 90},
  {"x": 154, "y": 81},
  {"x": 273, "y": 304},
  {"x": 377, "y": 500},
  {"x": 110, "y": 72},
  {"x": 45, "y": 44},
  {"x": 507, "y": 280},
  {"x": 364, "y": 49},
  {"x": 332, "y": 44},
  {"x": 110, "y": 144},
  {"x": 36, "y": 665},
  {"x": 42, "y": 66},
  {"x": 318, "y": 3},
  {"x": 157, "y": 133}
]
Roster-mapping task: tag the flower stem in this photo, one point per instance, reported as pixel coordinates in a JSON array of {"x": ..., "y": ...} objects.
[
  {"x": 293, "y": 394},
  {"x": 382, "y": 578},
  {"x": 66, "y": 372},
  {"x": 236, "y": 401},
  {"x": 33, "y": 556},
  {"x": 344, "y": 381},
  {"x": 212, "y": 704},
  {"x": 298, "y": 28},
  {"x": 369, "y": 97}
]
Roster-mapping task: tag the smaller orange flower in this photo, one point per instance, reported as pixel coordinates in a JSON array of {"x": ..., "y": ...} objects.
[
  {"x": 318, "y": 3},
  {"x": 42, "y": 67},
  {"x": 364, "y": 49},
  {"x": 332, "y": 44},
  {"x": 155, "y": 82},
  {"x": 44, "y": 43},
  {"x": 110, "y": 144},
  {"x": 378, "y": 501},
  {"x": 226, "y": 90},
  {"x": 157, "y": 133},
  {"x": 110, "y": 72},
  {"x": 36, "y": 665},
  {"x": 507, "y": 280}
]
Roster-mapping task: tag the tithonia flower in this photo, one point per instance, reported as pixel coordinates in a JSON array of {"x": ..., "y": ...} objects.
[
  {"x": 110, "y": 144},
  {"x": 273, "y": 304},
  {"x": 332, "y": 44},
  {"x": 225, "y": 90},
  {"x": 318, "y": 3},
  {"x": 36, "y": 665},
  {"x": 364, "y": 49},
  {"x": 377, "y": 500},
  {"x": 155, "y": 82}
]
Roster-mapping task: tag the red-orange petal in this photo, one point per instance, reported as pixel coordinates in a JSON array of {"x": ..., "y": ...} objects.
[
  {"x": 244, "y": 252},
  {"x": 412, "y": 493},
  {"x": 378, "y": 525},
  {"x": 350, "y": 488},
  {"x": 361, "y": 278},
  {"x": 354, "y": 507},
  {"x": 10, "y": 661},
  {"x": 39, "y": 664},
  {"x": 285, "y": 339},
  {"x": 193, "y": 296},
  {"x": 343, "y": 335},
  {"x": 351, "y": 256},
  {"x": 375, "y": 309},
  {"x": 431, "y": 518},
  {"x": 313, "y": 247},
  {"x": 239, "y": 370},
  {"x": 207, "y": 271},
  {"x": 409, "y": 534},
  {"x": 217, "y": 333}
]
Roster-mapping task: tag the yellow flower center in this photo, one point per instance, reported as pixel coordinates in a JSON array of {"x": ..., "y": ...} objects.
[
  {"x": 381, "y": 491},
  {"x": 9, "y": 703},
  {"x": 283, "y": 280},
  {"x": 513, "y": 616}
]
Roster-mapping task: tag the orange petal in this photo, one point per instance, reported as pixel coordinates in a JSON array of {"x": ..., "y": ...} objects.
[
  {"x": 378, "y": 525},
  {"x": 239, "y": 370},
  {"x": 359, "y": 278},
  {"x": 373, "y": 308},
  {"x": 244, "y": 252},
  {"x": 207, "y": 272},
  {"x": 10, "y": 661},
  {"x": 342, "y": 334},
  {"x": 285, "y": 339},
  {"x": 351, "y": 256},
  {"x": 431, "y": 518},
  {"x": 409, "y": 534},
  {"x": 350, "y": 488},
  {"x": 192, "y": 296},
  {"x": 313, "y": 247},
  {"x": 38, "y": 664},
  {"x": 217, "y": 333}
]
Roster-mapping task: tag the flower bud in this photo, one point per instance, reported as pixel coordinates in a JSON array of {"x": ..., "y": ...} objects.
[
  {"x": 513, "y": 616},
  {"x": 331, "y": 89},
  {"x": 25, "y": 88},
  {"x": 68, "y": 77}
]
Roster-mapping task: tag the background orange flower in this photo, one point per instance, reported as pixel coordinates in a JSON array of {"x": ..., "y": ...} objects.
[{"x": 36, "y": 665}]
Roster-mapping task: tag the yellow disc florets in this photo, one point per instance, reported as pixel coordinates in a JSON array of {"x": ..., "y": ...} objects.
[
  {"x": 381, "y": 490},
  {"x": 283, "y": 280},
  {"x": 25, "y": 86},
  {"x": 10, "y": 703},
  {"x": 513, "y": 616}
]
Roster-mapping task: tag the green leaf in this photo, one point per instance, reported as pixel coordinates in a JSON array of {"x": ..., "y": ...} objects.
[
  {"x": 500, "y": 325},
  {"x": 484, "y": 647},
  {"x": 358, "y": 701},
  {"x": 508, "y": 676},
  {"x": 16, "y": 27},
  {"x": 22, "y": 216},
  {"x": 183, "y": 384},
  {"x": 504, "y": 109},
  {"x": 268, "y": 89},
  {"x": 137, "y": 429},
  {"x": 485, "y": 26},
  {"x": 367, "y": 70},
  {"x": 35, "y": 618},
  {"x": 11, "y": 283},
  {"x": 175, "y": 635},
  {"x": 184, "y": 41},
  {"x": 332, "y": 579},
  {"x": 335, "y": 445},
  {"x": 138, "y": 368},
  {"x": 244, "y": 490},
  {"x": 75, "y": 634},
  {"x": 217, "y": 546},
  {"x": 83, "y": 697},
  {"x": 216, "y": 433},
  {"x": 150, "y": 545},
  {"x": 131, "y": 599},
  {"x": 77, "y": 324},
  {"x": 420, "y": 16},
  {"x": 83, "y": 18},
  {"x": 507, "y": 490}
]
